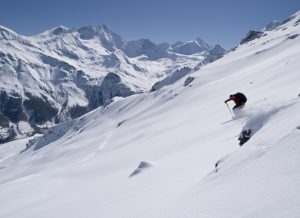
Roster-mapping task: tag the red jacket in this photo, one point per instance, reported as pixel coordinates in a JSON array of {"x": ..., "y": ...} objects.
[{"x": 236, "y": 100}]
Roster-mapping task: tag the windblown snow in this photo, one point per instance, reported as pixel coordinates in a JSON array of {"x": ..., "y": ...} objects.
[{"x": 154, "y": 154}]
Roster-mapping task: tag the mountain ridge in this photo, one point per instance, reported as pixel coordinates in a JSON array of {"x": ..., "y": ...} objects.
[{"x": 62, "y": 73}]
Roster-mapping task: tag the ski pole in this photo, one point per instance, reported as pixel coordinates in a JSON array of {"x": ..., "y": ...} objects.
[
  {"x": 264, "y": 99},
  {"x": 229, "y": 110}
]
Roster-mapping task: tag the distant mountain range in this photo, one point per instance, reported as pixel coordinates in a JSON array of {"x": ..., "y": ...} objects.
[{"x": 63, "y": 73}]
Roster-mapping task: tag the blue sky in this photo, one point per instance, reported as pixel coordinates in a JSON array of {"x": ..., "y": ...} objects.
[{"x": 215, "y": 21}]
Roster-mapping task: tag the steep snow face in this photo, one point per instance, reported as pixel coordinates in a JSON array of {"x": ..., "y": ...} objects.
[
  {"x": 154, "y": 154},
  {"x": 63, "y": 73},
  {"x": 191, "y": 47}
]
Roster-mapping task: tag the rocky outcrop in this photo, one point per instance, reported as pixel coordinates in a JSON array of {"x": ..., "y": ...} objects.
[
  {"x": 271, "y": 26},
  {"x": 251, "y": 35},
  {"x": 214, "y": 54},
  {"x": 111, "y": 87},
  {"x": 7, "y": 132},
  {"x": 40, "y": 109},
  {"x": 188, "y": 81},
  {"x": 11, "y": 106},
  {"x": 172, "y": 78},
  {"x": 77, "y": 111}
]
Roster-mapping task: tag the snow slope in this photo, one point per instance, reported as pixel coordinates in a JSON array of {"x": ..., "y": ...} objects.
[{"x": 154, "y": 154}]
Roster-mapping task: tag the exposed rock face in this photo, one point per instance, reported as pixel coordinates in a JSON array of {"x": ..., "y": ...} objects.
[
  {"x": 18, "y": 110},
  {"x": 77, "y": 111},
  {"x": 40, "y": 109},
  {"x": 188, "y": 81},
  {"x": 172, "y": 78},
  {"x": 7, "y": 132},
  {"x": 111, "y": 87},
  {"x": 251, "y": 35},
  {"x": 11, "y": 106},
  {"x": 214, "y": 54},
  {"x": 271, "y": 26}
]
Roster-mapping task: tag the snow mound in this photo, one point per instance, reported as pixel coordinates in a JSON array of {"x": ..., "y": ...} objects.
[{"x": 144, "y": 165}]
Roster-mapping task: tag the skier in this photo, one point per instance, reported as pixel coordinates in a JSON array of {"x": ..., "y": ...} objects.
[{"x": 238, "y": 98}]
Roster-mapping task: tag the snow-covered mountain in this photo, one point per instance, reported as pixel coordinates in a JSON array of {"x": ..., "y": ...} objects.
[
  {"x": 191, "y": 47},
  {"x": 63, "y": 73},
  {"x": 174, "y": 152}
]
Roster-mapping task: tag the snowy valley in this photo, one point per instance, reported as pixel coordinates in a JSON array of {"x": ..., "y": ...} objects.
[{"x": 172, "y": 152}]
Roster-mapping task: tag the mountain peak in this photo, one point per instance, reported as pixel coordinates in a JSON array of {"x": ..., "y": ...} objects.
[
  {"x": 191, "y": 47},
  {"x": 59, "y": 30},
  {"x": 89, "y": 32},
  {"x": 145, "y": 47},
  {"x": 202, "y": 43},
  {"x": 108, "y": 38}
]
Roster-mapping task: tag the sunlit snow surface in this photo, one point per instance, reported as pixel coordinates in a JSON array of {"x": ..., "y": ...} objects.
[{"x": 174, "y": 137}]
